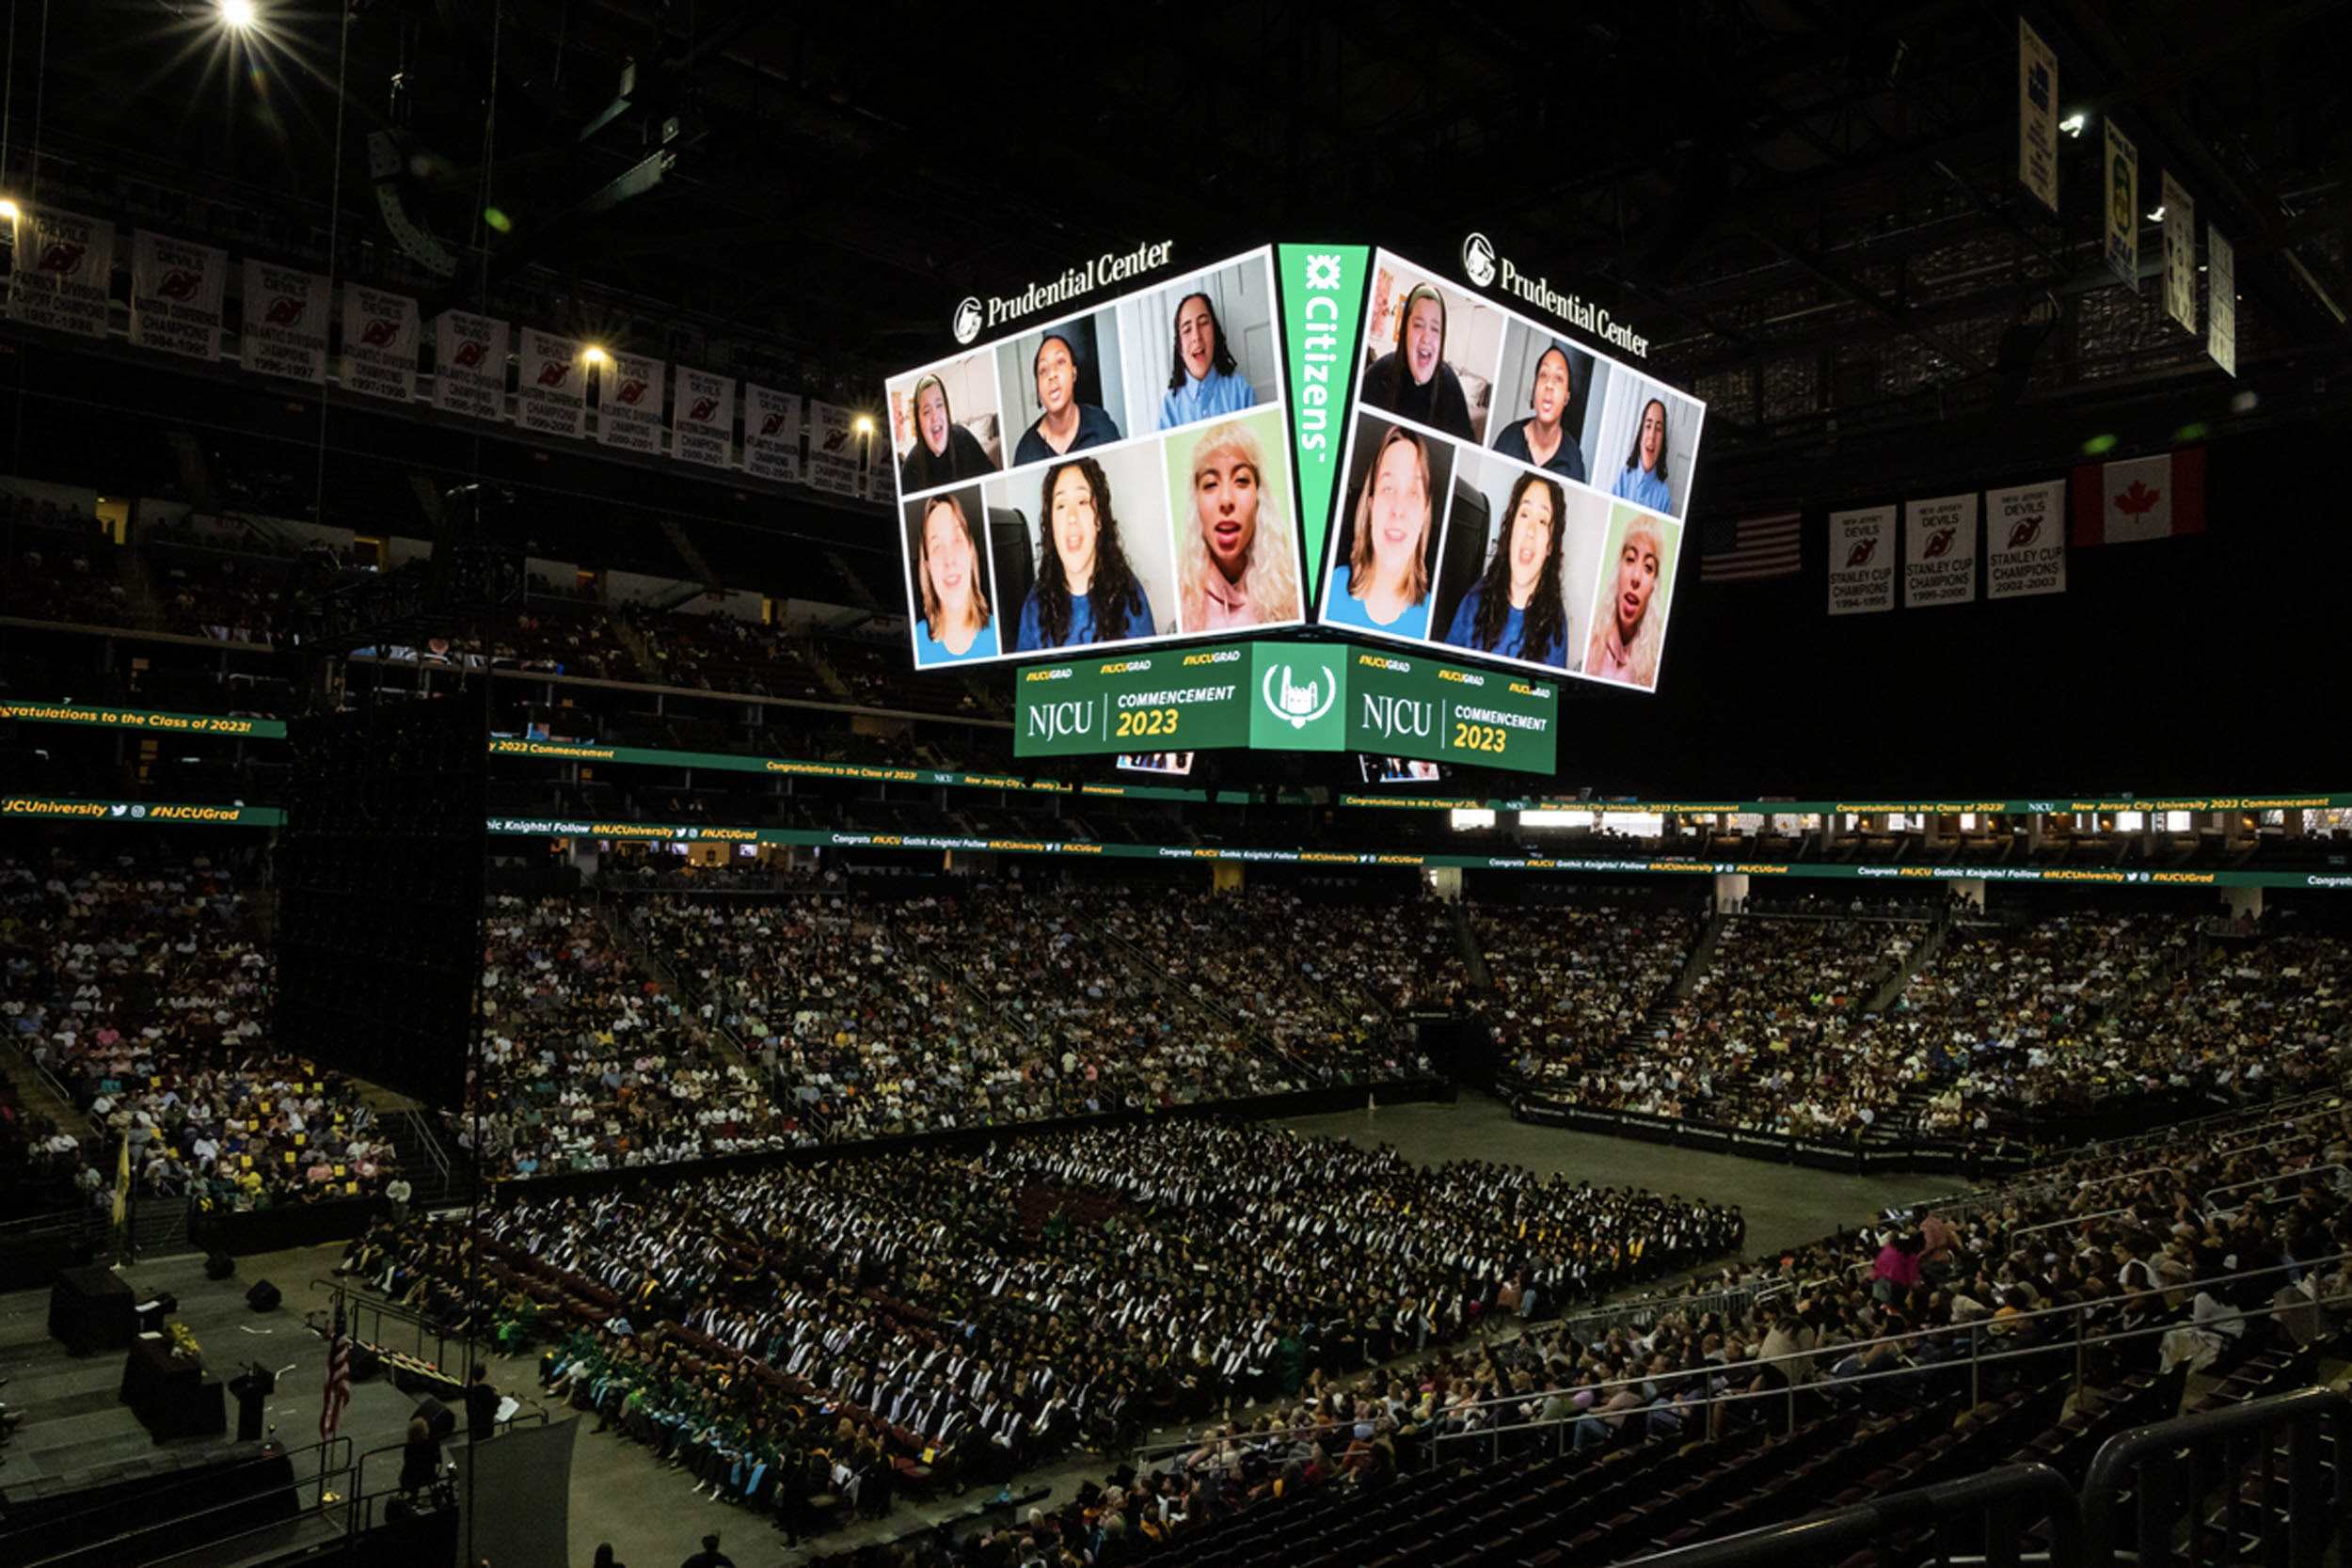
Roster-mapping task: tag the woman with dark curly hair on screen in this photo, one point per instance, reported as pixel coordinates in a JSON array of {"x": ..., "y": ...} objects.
[
  {"x": 1515, "y": 607},
  {"x": 1084, "y": 590}
]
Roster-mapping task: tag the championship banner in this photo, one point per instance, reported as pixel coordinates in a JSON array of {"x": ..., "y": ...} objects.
[
  {"x": 2123, "y": 208},
  {"x": 2025, "y": 549},
  {"x": 63, "y": 271},
  {"x": 1861, "y": 561},
  {"x": 469, "y": 365},
  {"x": 1940, "y": 551},
  {"x": 772, "y": 435},
  {"x": 628, "y": 404},
  {"x": 551, "y": 385},
  {"x": 282, "y": 330},
  {"x": 701, "y": 417},
  {"x": 833, "y": 449},
  {"x": 379, "y": 343},
  {"x": 2220, "y": 300},
  {"x": 176, "y": 291},
  {"x": 2036, "y": 116},
  {"x": 2180, "y": 253}
]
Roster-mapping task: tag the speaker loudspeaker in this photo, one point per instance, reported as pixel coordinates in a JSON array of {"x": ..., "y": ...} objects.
[
  {"x": 263, "y": 1297},
  {"x": 218, "y": 1265},
  {"x": 440, "y": 1417}
]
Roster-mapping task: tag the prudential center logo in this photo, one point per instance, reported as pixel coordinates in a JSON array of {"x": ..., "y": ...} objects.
[
  {"x": 1299, "y": 706},
  {"x": 1478, "y": 258},
  {"x": 968, "y": 319}
]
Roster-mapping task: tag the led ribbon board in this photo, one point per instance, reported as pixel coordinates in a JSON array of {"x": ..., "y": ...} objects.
[{"x": 1288, "y": 696}]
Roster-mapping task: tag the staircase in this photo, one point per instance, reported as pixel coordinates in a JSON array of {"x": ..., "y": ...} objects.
[
  {"x": 860, "y": 594},
  {"x": 1923, "y": 953},
  {"x": 1474, "y": 956},
  {"x": 674, "y": 532},
  {"x": 1702, "y": 954},
  {"x": 640, "y": 651},
  {"x": 710, "y": 1036},
  {"x": 440, "y": 1172},
  {"x": 825, "y": 671}
]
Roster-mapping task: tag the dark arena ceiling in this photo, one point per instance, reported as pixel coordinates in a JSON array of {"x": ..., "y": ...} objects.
[{"x": 1808, "y": 206}]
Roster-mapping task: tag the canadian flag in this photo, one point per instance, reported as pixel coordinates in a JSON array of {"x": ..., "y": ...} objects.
[{"x": 2148, "y": 498}]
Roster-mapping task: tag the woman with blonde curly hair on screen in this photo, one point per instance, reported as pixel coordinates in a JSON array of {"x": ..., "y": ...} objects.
[
  {"x": 1626, "y": 631},
  {"x": 1234, "y": 565}
]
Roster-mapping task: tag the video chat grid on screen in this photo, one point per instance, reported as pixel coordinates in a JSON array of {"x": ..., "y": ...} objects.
[
  {"x": 1506, "y": 460},
  {"x": 1110, "y": 477}
]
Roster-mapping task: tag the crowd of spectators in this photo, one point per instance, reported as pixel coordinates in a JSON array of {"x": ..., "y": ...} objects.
[
  {"x": 140, "y": 985},
  {"x": 1573, "y": 983},
  {"x": 68, "y": 576},
  {"x": 719, "y": 652},
  {"x": 588, "y": 1064},
  {"x": 954, "y": 1318}
]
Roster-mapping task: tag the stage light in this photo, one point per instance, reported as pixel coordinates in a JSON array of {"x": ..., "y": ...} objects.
[
  {"x": 2073, "y": 124},
  {"x": 8, "y": 210},
  {"x": 237, "y": 13},
  {"x": 594, "y": 356},
  {"x": 864, "y": 425},
  {"x": 2156, "y": 216},
  {"x": 2097, "y": 445}
]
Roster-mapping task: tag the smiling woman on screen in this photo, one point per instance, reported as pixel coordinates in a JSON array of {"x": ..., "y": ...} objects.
[
  {"x": 943, "y": 452},
  {"x": 1205, "y": 380},
  {"x": 954, "y": 605},
  {"x": 1413, "y": 380},
  {"x": 1387, "y": 575}
]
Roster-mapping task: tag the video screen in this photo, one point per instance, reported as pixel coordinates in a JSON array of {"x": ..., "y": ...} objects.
[
  {"x": 1175, "y": 764},
  {"x": 1388, "y": 771},
  {"x": 1114, "y": 477},
  {"x": 1505, "y": 492}
]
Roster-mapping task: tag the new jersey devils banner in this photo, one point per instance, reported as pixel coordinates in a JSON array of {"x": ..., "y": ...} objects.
[
  {"x": 2026, "y": 541},
  {"x": 176, "y": 291},
  {"x": 772, "y": 435},
  {"x": 469, "y": 365},
  {"x": 1861, "y": 561},
  {"x": 1940, "y": 551},
  {"x": 702, "y": 419},
  {"x": 379, "y": 343},
  {"x": 64, "y": 266},
  {"x": 833, "y": 449},
  {"x": 282, "y": 330},
  {"x": 628, "y": 404},
  {"x": 551, "y": 385}
]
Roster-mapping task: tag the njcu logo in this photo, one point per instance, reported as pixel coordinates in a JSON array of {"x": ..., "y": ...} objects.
[
  {"x": 968, "y": 324},
  {"x": 1478, "y": 258},
  {"x": 1299, "y": 706}
]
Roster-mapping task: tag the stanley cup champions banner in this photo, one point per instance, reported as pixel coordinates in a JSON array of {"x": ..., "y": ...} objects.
[
  {"x": 628, "y": 404},
  {"x": 551, "y": 385},
  {"x": 1861, "y": 561},
  {"x": 469, "y": 365},
  {"x": 833, "y": 449},
  {"x": 63, "y": 270},
  {"x": 2026, "y": 540},
  {"x": 282, "y": 330},
  {"x": 772, "y": 435},
  {"x": 176, "y": 293},
  {"x": 702, "y": 419},
  {"x": 379, "y": 343},
  {"x": 1940, "y": 551}
]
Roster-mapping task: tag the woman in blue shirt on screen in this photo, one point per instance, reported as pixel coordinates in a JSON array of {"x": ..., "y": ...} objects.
[
  {"x": 956, "y": 618},
  {"x": 1084, "y": 590},
  {"x": 1206, "y": 381},
  {"x": 1515, "y": 609},
  {"x": 1643, "y": 479},
  {"x": 1385, "y": 584}
]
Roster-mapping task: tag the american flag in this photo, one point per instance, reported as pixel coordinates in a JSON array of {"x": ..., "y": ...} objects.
[
  {"x": 337, "y": 1379},
  {"x": 1751, "y": 548}
]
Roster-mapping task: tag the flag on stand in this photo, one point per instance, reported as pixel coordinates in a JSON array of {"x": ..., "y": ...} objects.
[
  {"x": 2148, "y": 498},
  {"x": 337, "y": 1379},
  {"x": 1752, "y": 547}
]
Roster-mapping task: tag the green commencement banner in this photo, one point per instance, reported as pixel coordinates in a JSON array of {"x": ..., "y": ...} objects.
[
  {"x": 143, "y": 719},
  {"x": 144, "y": 811},
  {"x": 1283, "y": 696}
]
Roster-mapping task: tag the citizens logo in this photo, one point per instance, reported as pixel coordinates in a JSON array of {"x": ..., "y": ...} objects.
[
  {"x": 1322, "y": 271},
  {"x": 285, "y": 310},
  {"x": 968, "y": 319},
  {"x": 1861, "y": 554},
  {"x": 1299, "y": 706},
  {"x": 2024, "y": 531},
  {"x": 1939, "y": 542},
  {"x": 179, "y": 284},
  {"x": 1478, "y": 258}
]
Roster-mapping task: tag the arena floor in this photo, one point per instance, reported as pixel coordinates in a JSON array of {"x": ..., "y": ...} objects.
[{"x": 649, "y": 1513}]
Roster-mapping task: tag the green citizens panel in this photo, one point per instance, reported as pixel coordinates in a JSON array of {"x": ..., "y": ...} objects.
[
  {"x": 1166, "y": 700},
  {"x": 1323, "y": 303}
]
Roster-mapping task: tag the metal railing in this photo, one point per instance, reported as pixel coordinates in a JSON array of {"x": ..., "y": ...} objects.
[
  {"x": 2219, "y": 1470},
  {"x": 146, "y": 1544},
  {"x": 362, "y": 1309},
  {"x": 2212, "y": 1208},
  {"x": 1999, "y": 1503}
]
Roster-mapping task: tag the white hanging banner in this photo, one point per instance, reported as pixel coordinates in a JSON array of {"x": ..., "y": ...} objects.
[
  {"x": 2123, "y": 208},
  {"x": 701, "y": 417},
  {"x": 2026, "y": 540},
  {"x": 772, "y": 435},
  {"x": 1861, "y": 561},
  {"x": 2220, "y": 300},
  {"x": 469, "y": 365},
  {"x": 2180, "y": 253},
  {"x": 379, "y": 343},
  {"x": 282, "y": 327},
  {"x": 1940, "y": 551},
  {"x": 176, "y": 293},
  {"x": 63, "y": 270},
  {"x": 551, "y": 385},
  {"x": 628, "y": 404},
  {"x": 2037, "y": 115},
  {"x": 833, "y": 449}
]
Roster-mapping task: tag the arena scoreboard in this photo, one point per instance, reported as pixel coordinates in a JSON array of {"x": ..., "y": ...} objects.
[{"x": 1285, "y": 695}]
